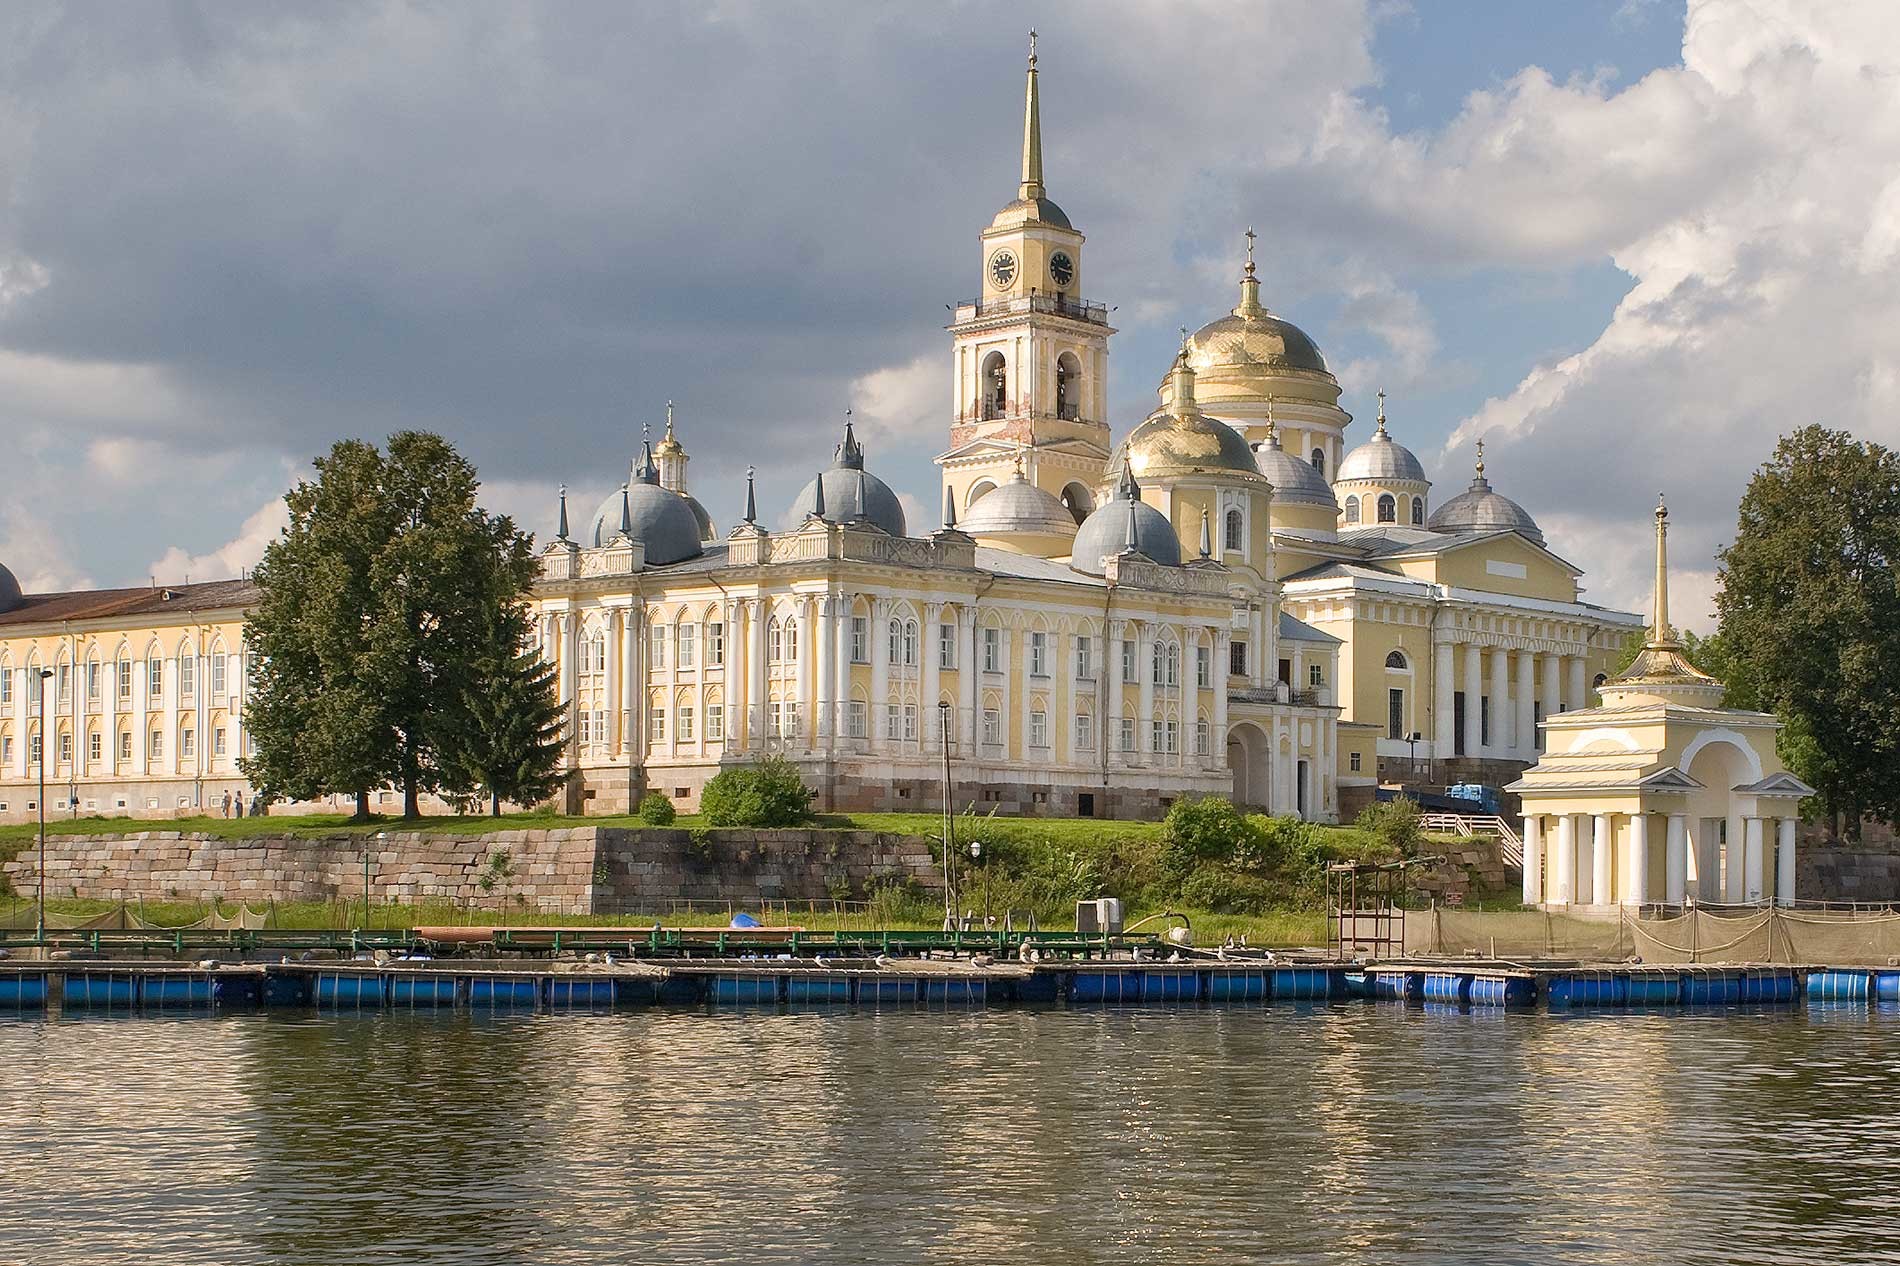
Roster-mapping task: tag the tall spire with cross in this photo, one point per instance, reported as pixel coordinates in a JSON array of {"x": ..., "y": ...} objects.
[
  {"x": 1250, "y": 305},
  {"x": 1031, "y": 186}
]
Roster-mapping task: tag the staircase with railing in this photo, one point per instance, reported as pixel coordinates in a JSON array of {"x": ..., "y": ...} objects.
[{"x": 1510, "y": 847}]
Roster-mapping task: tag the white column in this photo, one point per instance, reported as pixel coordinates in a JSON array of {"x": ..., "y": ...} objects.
[
  {"x": 1526, "y": 736},
  {"x": 616, "y": 740},
  {"x": 1533, "y": 860},
  {"x": 1010, "y": 665},
  {"x": 633, "y": 681},
  {"x": 826, "y": 706},
  {"x": 1734, "y": 861},
  {"x": 1474, "y": 708},
  {"x": 1502, "y": 739},
  {"x": 1553, "y": 702},
  {"x": 927, "y": 699},
  {"x": 1111, "y": 669},
  {"x": 1145, "y": 673},
  {"x": 807, "y": 653},
  {"x": 1061, "y": 700},
  {"x": 1676, "y": 859},
  {"x": 1217, "y": 741},
  {"x": 1636, "y": 890},
  {"x": 1752, "y": 860},
  {"x": 757, "y": 616},
  {"x": 1784, "y": 861},
  {"x": 880, "y": 671},
  {"x": 968, "y": 665},
  {"x": 841, "y": 668},
  {"x": 1024, "y": 706},
  {"x": 1565, "y": 887},
  {"x": 1443, "y": 671},
  {"x": 1579, "y": 688}
]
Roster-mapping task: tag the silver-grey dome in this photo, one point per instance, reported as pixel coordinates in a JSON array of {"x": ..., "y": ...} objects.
[
  {"x": 660, "y": 520},
  {"x": 851, "y": 494},
  {"x": 1381, "y": 459},
  {"x": 11, "y": 594},
  {"x": 707, "y": 533},
  {"x": 1119, "y": 524},
  {"x": 1017, "y": 506},
  {"x": 1480, "y": 508},
  {"x": 1294, "y": 479}
]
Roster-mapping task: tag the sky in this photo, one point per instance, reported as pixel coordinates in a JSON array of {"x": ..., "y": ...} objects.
[{"x": 1628, "y": 243}]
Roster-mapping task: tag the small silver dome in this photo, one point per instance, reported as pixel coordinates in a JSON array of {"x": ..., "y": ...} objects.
[
  {"x": 1481, "y": 509},
  {"x": 851, "y": 493},
  {"x": 1017, "y": 506},
  {"x": 1294, "y": 479},
  {"x": 660, "y": 520},
  {"x": 1381, "y": 459},
  {"x": 707, "y": 533},
  {"x": 11, "y": 595},
  {"x": 1123, "y": 523}
]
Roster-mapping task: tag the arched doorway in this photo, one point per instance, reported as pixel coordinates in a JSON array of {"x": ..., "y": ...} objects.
[
  {"x": 1248, "y": 756},
  {"x": 1715, "y": 828}
]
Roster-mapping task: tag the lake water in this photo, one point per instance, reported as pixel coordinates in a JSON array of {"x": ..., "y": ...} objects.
[{"x": 1341, "y": 1133}]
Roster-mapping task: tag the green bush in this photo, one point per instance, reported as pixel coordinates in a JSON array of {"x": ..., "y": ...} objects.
[
  {"x": 767, "y": 794},
  {"x": 1223, "y": 890},
  {"x": 656, "y": 809},
  {"x": 1394, "y": 824},
  {"x": 1204, "y": 829}
]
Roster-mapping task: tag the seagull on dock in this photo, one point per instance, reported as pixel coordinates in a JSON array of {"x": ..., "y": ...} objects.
[
  {"x": 1175, "y": 957},
  {"x": 1243, "y": 940},
  {"x": 206, "y": 964},
  {"x": 819, "y": 960},
  {"x": 982, "y": 960},
  {"x": 885, "y": 960}
]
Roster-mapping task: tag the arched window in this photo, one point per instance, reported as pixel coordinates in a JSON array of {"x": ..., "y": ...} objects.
[
  {"x": 1597, "y": 684},
  {"x": 1077, "y": 501},
  {"x": 774, "y": 640},
  {"x": 1396, "y": 660},
  {"x": 1319, "y": 460},
  {"x": 1352, "y": 509},
  {"x": 910, "y": 643},
  {"x": 1388, "y": 508},
  {"x": 791, "y": 638},
  {"x": 977, "y": 491},
  {"x": 896, "y": 642},
  {"x": 1235, "y": 539},
  {"x": 993, "y": 386},
  {"x": 1068, "y": 387},
  {"x": 1418, "y": 512}
]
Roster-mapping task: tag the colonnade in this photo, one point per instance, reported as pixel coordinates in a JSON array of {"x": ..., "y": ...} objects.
[
  {"x": 1606, "y": 859},
  {"x": 1522, "y": 686}
]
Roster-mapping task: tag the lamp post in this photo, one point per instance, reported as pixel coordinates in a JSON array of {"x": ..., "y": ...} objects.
[
  {"x": 1413, "y": 739},
  {"x": 40, "y": 922},
  {"x": 976, "y": 859},
  {"x": 949, "y": 840},
  {"x": 380, "y": 837}
]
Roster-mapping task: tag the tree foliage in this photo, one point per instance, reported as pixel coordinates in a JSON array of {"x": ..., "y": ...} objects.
[
  {"x": 656, "y": 809},
  {"x": 376, "y": 625},
  {"x": 769, "y": 793},
  {"x": 1810, "y": 614},
  {"x": 505, "y": 742}
]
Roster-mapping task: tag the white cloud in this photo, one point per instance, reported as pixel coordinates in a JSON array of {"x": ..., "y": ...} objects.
[
  {"x": 235, "y": 556},
  {"x": 904, "y": 403}
]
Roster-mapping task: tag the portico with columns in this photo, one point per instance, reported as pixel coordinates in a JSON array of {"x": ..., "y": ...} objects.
[{"x": 1660, "y": 795}]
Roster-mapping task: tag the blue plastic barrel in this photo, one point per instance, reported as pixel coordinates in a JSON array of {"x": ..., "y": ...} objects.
[
  {"x": 1654, "y": 989},
  {"x": 23, "y": 990},
  {"x": 818, "y": 989},
  {"x": 349, "y": 989},
  {"x": 414, "y": 990},
  {"x": 743, "y": 989},
  {"x": 503, "y": 991},
  {"x": 177, "y": 991},
  {"x": 100, "y": 989},
  {"x": 1887, "y": 986},
  {"x": 1235, "y": 984},
  {"x": 1445, "y": 986}
]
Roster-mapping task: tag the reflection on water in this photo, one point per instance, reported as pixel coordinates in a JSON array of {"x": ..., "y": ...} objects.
[{"x": 1341, "y": 1133}]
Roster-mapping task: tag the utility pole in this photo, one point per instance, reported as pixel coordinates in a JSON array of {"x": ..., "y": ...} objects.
[
  {"x": 949, "y": 840},
  {"x": 40, "y": 923}
]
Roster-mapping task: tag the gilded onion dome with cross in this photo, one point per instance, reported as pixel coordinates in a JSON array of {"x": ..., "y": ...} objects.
[{"x": 1253, "y": 361}]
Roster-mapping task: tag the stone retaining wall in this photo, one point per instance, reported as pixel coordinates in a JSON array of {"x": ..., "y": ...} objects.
[{"x": 577, "y": 870}]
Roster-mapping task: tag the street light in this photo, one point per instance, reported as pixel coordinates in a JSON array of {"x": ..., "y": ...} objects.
[
  {"x": 46, "y": 674},
  {"x": 1413, "y": 739},
  {"x": 949, "y": 832},
  {"x": 976, "y": 859}
]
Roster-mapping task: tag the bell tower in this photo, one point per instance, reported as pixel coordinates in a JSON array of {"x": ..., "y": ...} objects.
[{"x": 1029, "y": 354}]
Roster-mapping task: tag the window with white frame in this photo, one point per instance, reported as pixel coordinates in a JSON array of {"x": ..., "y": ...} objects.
[
  {"x": 64, "y": 682},
  {"x": 1202, "y": 737},
  {"x": 1315, "y": 675},
  {"x": 1236, "y": 538},
  {"x": 6, "y": 749},
  {"x": 774, "y": 719},
  {"x": 1167, "y": 664},
  {"x": 1084, "y": 657},
  {"x": 187, "y": 676},
  {"x": 1038, "y": 728},
  {"x": 1084, "y": 732},
  {"x": 584, "y": 724},
  {"x": 946, "y": 646},
  {"x": 854, "y": 716},
  {"x": 910, "y": 644},
  {"x": 656, "y": 725},
  {"x": 1128, "y": 660},
  {"x": 792, "y": 725},
  {"x": 684, "y": 729},
  {"x": 66, "y": 748},
  {"x": 6, "y": 684},
  {"x": 1128, "y": 734},
  {"x": 124, "y": 681},
  {"x": 1154, "y": 737},
  {"x": 33, "y": 750},
  {"x": 219, "y": 668},
  {"x": 156, "y": 747},
  {"x": 715, "y": 656},
  {"x": 657, "y": 640},
  {"x": 93, "y": 685},
  {"x": 1203, "y": 666},
  {"x": 155, "y": 677},
  {"x": 218, "y": 742},
  {"x": 774, "y": 640},
  {"x": 992, "y": 727},
  {"x": 125, "y": 745},
  {"x": 688, "y": 646},
  {"x": 715, "y": 720},
  {"x": 860, "y": 640},
  {"x": 791, "y": 639},
  {"x": 1237, "y": 657},
  {"x": 187, "y": 744},
  {"x": 910, "y": 723},
  {"x": 892, "y": 649},
  {"x": 1038, "y": 654},
  {"x": 992, "y": 650}
]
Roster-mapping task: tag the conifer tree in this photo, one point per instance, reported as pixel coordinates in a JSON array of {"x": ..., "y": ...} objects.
[{"x": 504, "y": 741}]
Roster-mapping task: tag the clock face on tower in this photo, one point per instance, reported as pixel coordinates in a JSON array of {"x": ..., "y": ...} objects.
[
  {"x": 1002, "y": 269},
  {"x": 1061, "y": 268}
]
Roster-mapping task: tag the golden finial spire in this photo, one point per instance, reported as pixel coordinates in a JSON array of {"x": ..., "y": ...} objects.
[
  {"x": 1273, "y": 434},
  {"x": 669, "y": 419},
  {"x": 1019, "y": 461},
  {"x": 1031, "y": 186},
  {"x": 1481, "y": 459},
  {"x": 1382, "y": 419},
  {"x": 1250, "y": 237},
  {"x": 1249, "y": 286},
  {"x": 1659, "y": 636}
]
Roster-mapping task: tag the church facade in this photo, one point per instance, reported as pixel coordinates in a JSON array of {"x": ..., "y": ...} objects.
[{"x": 1230, "y": 599}]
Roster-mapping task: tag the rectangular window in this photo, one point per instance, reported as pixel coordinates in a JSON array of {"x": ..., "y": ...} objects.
[
  {"x": 1128, "y": 659},
  {"x": 946, "y": 646},
  {"x": 584, "y": 722},
  {"x": 157, "y": 748},
  {"x": 34, "y": 684},
  {"x": 792, "y": 726},
  {"x": 910, "y": 723},
  {"x": 1355, "y": 762},
  {"x": 125, "y": 681},
  {"x": 33, "y": 750},
  {"x": 855, "y": 719},
  {"x": 6, "y": 749},
  {"x": 1038, "y": 654},
  {"x": 685, "y": 728},
  {"x": 187, "y": 676},
  {"x": 1154, "y": 737},
  {"x": 1128, "y": 734},
  {"x": 715, "y": 722},
  {"x": 92, "y": 682},
  {"x": 992, "y": 727},
  {"x": 656, "y": 725},
  {"x": 860, "y": 640},
  {"x": 1084, "y": 732},
  {"x": 893, "y": 650},
  {"x": 891, "y": 722},
  {"x": 217, "y": 742},
  {"x": 125, "y": 746},
  {"x": 715, "y": 652},
  {"x": 187, "y": 744},
  {"x": 658, "y": 642},
  {"x": 1084, "y": 657},
  {"x": 992, "y": 650},
  {"x": 1286, "y": 671},
  {"x": 1039, "y": 729},
  {"x": 1203, "y": 667},
  {"x": 219, "y": 670},
  {"x": 6, "y": 685},
  {"x": 65, "y": 682},
  {"x": 155, "y": 677},
  {"x": 1316, "y": 675},
  {"x": 1395, "y": 714},
  {"x": 1201, "y": 738},
  {"x": 1174, "y": 738},
  {"x": 66, "y": 748},
  {"x": 688, "y": 646}
]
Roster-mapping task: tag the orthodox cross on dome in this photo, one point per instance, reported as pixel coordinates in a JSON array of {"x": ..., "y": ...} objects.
[
  {"x": 1273, "y": 433},
  {"x": 1032, "y": 48},
  {"x": 1250, "y": 238},
  {"x": 1031, "y": 186},
  {"x": 1481, "y": 458},
  {"x": 1250, "y": 285},
  {"x": 1382, "y": 418}
]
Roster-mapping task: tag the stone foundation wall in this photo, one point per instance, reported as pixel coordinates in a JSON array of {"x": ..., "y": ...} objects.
[
  {"x": 1829, "y": 868},
  {"x": 578, "y": 870},
  {"x": 1474, "y": 867}
]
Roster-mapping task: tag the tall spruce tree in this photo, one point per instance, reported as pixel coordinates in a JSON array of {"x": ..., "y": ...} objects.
[
  {"x": 505, "y": 739},
  {"x": 1810, "y": 614},
  {"x": 375, "y": 613}
]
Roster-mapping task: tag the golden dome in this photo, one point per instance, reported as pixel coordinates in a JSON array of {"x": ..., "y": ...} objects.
[
  {"x": 1179, "y": 439},
  {"x": 1251, "y": 343}
]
